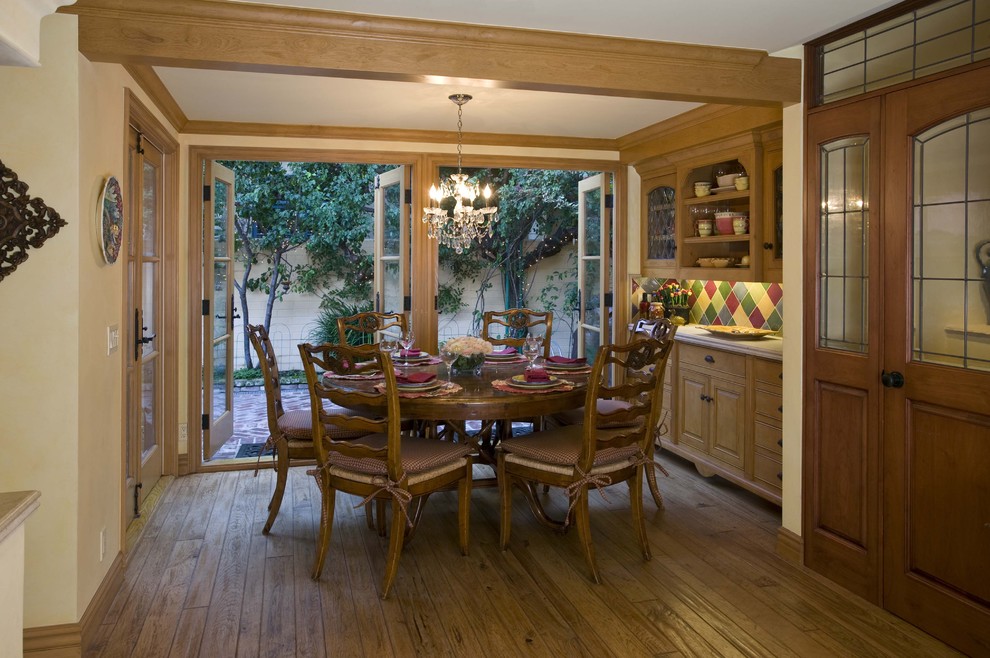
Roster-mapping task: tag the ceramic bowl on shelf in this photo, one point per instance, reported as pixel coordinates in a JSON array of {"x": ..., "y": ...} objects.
[
  {"x": 722, "y": 262},
  {"x": 727, "y": 180}
]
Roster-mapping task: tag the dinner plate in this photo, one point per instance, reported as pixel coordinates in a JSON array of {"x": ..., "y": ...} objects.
[
  {"x": 567, "y": 369},
  {"x": 519, "y": 381},
  {"x": 727, "y": 188},
  {"x": 431, "y": 385},
  {"x": 739, "y": 333},
  {"x": 515, "y": 356}
]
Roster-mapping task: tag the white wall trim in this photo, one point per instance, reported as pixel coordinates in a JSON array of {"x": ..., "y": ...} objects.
[{"x": 20, "y": 30}]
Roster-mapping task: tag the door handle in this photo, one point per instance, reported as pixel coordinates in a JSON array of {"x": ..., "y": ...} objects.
[
  {"x": 892, "y": 379},
  {"x": 709, "y": 358}
]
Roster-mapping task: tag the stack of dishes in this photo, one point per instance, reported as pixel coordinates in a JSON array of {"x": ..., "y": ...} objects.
[
  {"x": 414, "y": 359},
  {"x": 519, "y": 381},
  {"x": 417, "y": 383},
  {"x": 564, "y": 366},
  {"x": 507, "y": 356}
]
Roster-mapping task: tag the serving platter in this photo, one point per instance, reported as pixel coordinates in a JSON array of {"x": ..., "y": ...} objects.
[{"x": 738, "y": 333}]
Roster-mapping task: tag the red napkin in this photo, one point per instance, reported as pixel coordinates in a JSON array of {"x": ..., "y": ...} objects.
[
  {"x": 537, "y": 375},
  {"x": 415, "y": 378},
  {"x": 566, "y": 360},
  {"x": 506, "y": 351},
  {"x": 412, "y": 352}
]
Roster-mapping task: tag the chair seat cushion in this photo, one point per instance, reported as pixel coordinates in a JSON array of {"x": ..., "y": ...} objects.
[
  {"x": 605, "y": 407},
  {"x": 561, "y": 446},
  {"x": 418, "y": 455},
  {"x": 298, "y": 425}
]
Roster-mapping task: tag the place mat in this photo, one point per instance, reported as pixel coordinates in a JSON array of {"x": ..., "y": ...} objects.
[
  {"x": 445, "y": 388},
  {"x": 504, "y": 386}
]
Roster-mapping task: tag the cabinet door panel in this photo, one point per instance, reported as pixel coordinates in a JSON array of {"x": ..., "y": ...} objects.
[
  {"x": 693, "y": 410},
  {"x": 728, "y": 421}
]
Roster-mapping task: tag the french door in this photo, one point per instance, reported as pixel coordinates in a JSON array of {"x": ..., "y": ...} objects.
[
  {"x": 594, "y": 265},
  {"x": 936, "y": 447},
  {"x": 897, "y": 493},
  {"x": 392, "y": 241},
  {"x": 218, "y": 308},
  {"x": 142, "y": 354}
]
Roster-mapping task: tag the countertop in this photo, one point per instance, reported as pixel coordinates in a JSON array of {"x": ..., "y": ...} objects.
[
  {"x": 15, "y": 507},
  {"x": 769, "y": 347}
]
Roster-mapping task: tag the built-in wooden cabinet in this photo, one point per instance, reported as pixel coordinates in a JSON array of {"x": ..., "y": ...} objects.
[
  {"x": 727, "y": 416},
  {"x": 673, "y": 248}
]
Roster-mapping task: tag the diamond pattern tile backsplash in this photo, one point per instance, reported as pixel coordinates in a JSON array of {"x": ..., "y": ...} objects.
[{"x": 743, "y": 303}]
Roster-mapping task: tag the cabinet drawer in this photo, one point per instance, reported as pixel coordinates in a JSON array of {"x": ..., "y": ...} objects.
[
  {"x": 768, "y": 404},
  {"x": 770, "y": 372},
  {"x": 768, "y": 437},
  {"x": 725, "y": 363},
  {"x": 767, "y": 469}
]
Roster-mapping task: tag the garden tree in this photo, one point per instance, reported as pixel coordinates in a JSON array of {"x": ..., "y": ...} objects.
[
  {"x": 532, "y": 203},
  {"x": 323, "y": 208}
]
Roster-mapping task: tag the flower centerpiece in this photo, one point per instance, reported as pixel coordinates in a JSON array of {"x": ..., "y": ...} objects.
[{"x": 470, "y": 351}]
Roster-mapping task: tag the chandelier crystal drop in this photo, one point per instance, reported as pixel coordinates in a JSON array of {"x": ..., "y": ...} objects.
[{"x": 458, "y": 211}]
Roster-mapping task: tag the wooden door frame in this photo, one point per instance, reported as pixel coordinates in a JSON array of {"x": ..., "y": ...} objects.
[
  {"x": 425, "y": 169},
  {"x": 138, "y": 115}
]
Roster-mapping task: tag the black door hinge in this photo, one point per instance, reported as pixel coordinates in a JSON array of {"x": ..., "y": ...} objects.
[
  {"x": 609, "y": 200},
  {"x": 206, "y": 193},
  {"x": 608, "y": 300},
  {"x": 407, "y": 303},
  {"x": 206, "y": 307},
  {"x": 137, "y": 498},
  {"x": 206, "y": 421},
  {"x": 409, "y": 197}
]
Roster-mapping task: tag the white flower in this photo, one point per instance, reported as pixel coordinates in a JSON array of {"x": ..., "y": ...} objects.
[{"x": 468, "y": 345}]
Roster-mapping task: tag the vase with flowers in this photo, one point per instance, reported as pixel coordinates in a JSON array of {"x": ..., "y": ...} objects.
[
  {"x": 469, "y": 354},
  {"x": 675, "y": 301}
]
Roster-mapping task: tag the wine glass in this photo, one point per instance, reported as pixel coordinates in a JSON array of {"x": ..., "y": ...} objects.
[
  {"x": 388, "y": 346},
  {"x": 531, "y": 350},
  {"x": 449, "y": 356},
  {"x": 407, "y": 340}
]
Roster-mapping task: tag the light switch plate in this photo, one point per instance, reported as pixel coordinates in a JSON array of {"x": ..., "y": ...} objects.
[{"x": 113, "y": 338}]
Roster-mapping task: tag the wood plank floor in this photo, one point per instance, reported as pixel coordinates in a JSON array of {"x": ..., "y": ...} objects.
[{"x": 204, "y": 581}]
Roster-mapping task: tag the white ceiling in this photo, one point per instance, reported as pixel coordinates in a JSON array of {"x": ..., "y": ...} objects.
[{"x": 769, "y": 25}]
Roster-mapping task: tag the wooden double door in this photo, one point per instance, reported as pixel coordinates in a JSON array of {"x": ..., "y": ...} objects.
[{"x": 897, "y": 384}]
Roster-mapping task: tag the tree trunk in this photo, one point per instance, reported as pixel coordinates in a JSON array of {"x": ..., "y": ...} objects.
[{"x": 242, "y": 295}]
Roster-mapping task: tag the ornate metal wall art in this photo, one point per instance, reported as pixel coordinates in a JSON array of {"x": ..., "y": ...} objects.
[{"x": 24, "y": 222}]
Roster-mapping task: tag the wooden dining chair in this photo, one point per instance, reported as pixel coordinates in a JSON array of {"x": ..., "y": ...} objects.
[
  {"x": 607, "y": 448},
  {"x": 377, "y": 466},
  {"x": 663, "y": 332},
  {"x": 510, "y": 327},
  {"x": 290, "y": 434},
  {"x": 368, "y": 326}
]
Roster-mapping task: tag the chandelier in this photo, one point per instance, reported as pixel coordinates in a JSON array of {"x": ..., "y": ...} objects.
[{"x": 458, "y": 211}]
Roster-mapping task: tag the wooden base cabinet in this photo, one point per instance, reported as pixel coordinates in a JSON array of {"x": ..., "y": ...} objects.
[{"x": 727, "y": 420}]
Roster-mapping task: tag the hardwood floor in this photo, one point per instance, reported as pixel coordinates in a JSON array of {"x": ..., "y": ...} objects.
[{"x": 204, "y": 581}]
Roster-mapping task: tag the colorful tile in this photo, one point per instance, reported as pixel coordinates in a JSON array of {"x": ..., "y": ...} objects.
[{"x": 760, "y": 305}]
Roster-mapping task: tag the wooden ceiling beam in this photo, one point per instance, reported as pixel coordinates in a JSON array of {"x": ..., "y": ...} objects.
[{"x": 204, "y": 34}]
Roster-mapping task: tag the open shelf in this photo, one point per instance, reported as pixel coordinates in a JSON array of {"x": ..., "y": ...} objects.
[{"x": 709, "y": 239}]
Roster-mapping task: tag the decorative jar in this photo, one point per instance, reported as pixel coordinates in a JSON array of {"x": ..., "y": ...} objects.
[{"x": 468, "y": 364}]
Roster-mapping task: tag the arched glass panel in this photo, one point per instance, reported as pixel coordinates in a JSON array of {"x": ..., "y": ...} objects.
[
  {"x": 950, "y": 267},
  {"x": 660, "y": 233}
]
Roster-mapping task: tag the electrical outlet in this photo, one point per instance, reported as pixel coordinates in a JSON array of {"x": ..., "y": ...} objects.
[
  {"x": 113, "y": 338},
  {"x": 103, "y": 543}
]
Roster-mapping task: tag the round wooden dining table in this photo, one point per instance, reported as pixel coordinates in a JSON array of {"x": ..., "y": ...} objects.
[{"x": 478, "y": 400}]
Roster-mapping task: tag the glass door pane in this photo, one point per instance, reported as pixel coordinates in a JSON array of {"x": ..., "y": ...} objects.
[
  {"x": 391, "y": 242},
  {"x": 844, "y": 246},
  {"x": 592, "y": 265}
]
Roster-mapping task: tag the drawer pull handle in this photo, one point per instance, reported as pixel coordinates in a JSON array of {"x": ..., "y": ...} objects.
[
  {"x": 780, "y": 408},
  {"x": 780, "y": 476},
  {"x": 780, "y": 442},
  {"x": 706, "y": 398},
  {"x": 780, "y": 376},
  {"x": 709, "y": 358}
]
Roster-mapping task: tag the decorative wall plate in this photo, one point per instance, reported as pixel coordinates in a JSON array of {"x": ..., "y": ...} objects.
[{"x": 111, "y": 218}]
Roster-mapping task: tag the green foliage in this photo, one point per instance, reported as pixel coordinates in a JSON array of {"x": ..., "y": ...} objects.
[
  {"x": 449, "y": 299},
  {"x": 336, "y": 306},
  {"x": 247, "y": 373}
]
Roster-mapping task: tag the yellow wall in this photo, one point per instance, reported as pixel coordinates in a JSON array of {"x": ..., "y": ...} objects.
[
  {"x": 39, "y": 325},
  {"x": 60, "y": 393},
  {"x": 793, "y": 306}
]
